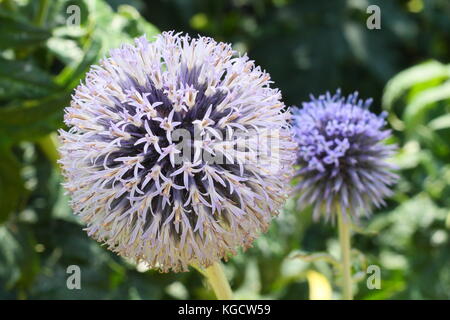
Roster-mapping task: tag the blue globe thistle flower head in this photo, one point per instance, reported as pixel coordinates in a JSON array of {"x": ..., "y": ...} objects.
[
  {"x": 342, "y": 156},
  {"x": 178, "y": 151}
]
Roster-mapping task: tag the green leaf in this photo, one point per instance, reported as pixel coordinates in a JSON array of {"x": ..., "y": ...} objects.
[
  {"x": 424, "y": 101},
  {"x": 9, "y": 255},
  {"x": 20, "y": 262},
  {"x": 439, "y": 123},
  {"x": 69, "y": 31},
  {"x": 136, "y": 25},
  {"x": 406, "y": 79},
  {"x": 409, "y": 155},
  {"x": 107, "y": 23},
  {"x": 103, "y": 21},
  {"x": 71, "y": 74},
  {"x": 17, "y": 33},
  {"x": 251, "y": 286},
  {"x": 124, "y": 25},
  {"x": 11, "y": 185},
  {"x": 32, "y": 119},
  {"x": 66, "y": 50},
  {"x": 23, "y": 80},
  {"x": 396, "y": 229}
]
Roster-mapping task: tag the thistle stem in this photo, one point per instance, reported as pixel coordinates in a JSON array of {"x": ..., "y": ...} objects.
[
  {"x": 49, "y": 146},
  {"x": 344, "y": 240},
  {"x": 218, "y": 281}
]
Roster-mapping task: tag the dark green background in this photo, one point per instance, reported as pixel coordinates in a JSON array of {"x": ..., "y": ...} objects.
[{"x": 307, "y": 47}]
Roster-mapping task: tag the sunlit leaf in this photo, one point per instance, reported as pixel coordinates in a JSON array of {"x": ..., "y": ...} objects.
[
  {"x": 72, "y": 73},
  {"x": 66, "y": 50},
  {"x": 439, "y": 123},
  {"x": 404, "y": 80},
  {"x": 136, "y": 25},
  {"x": 424, "y": 101}
]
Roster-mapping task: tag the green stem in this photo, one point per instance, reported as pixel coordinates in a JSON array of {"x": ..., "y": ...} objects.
[
  {"x": 49, "y": 146},
  {"x": 218, "y": 281},
  {"x": 42, "y": 13},
  {"x": 344, "y": 240}
]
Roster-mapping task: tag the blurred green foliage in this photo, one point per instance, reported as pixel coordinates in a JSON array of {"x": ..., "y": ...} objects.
[{"x": 308, "y": 47}]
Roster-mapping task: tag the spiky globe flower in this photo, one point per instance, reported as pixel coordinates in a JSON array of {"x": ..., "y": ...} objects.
[
  {"x": 342, "y": 156},
  {"x": 133, "y": 182}
]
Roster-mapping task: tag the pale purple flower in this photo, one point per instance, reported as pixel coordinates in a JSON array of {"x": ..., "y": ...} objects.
[
  {"x": 342, "y": 156},
  {"x": 122, "y": 162}
]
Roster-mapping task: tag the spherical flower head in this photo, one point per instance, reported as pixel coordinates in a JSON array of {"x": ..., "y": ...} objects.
[
  {"x": 153, "y": 161},
  {"x": 342, "y": 156}
]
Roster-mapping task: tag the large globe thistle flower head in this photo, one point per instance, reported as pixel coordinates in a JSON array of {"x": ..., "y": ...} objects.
[
  {"x": 342, "y": 156},
  {"x": 124, "y": 170}
]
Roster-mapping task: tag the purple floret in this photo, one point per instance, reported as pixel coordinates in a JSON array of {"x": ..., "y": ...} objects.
[{"x": 342, "y": 156}]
